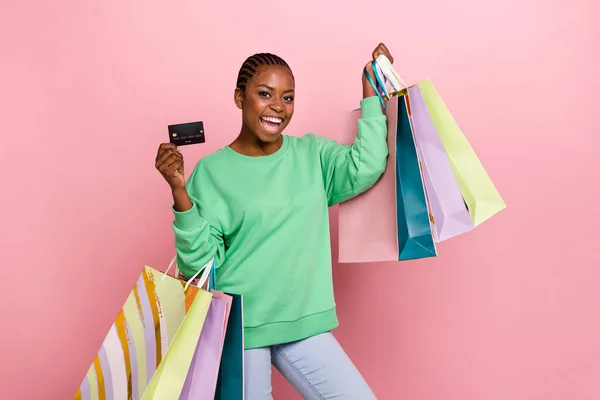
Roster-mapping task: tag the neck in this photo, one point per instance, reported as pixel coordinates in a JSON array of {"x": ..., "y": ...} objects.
[{"x": 249, "y": 144}]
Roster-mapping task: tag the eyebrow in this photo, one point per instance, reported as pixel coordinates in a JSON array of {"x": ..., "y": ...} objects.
[{"x": 270, "y": 88}]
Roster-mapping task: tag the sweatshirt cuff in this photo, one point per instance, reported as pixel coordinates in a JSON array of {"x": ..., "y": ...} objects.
[
  {"x": 189, "y": 219},
  {"x": 370, "y": 107}
]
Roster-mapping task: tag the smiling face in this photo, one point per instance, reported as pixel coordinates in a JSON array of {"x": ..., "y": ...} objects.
[{"x": 267, "y": 103}]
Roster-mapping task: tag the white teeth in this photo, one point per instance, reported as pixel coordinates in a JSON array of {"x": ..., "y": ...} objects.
[{"x": 273, "y": 119}]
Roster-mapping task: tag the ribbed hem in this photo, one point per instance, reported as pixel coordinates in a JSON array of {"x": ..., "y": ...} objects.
[
  {"x": 286, "y": 332},
  {"x": 189, "y": 219},
  {"x": 370, "y": 107}
]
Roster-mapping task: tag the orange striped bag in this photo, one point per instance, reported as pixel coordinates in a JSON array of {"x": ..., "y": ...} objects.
[{"x": 149, "y": 347}]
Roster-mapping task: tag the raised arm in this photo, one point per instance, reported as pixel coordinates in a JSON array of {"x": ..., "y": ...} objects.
[{"x": 349, "y": 170}]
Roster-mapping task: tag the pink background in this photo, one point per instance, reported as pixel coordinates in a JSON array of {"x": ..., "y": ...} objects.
[{"x": 510, "y": 311}]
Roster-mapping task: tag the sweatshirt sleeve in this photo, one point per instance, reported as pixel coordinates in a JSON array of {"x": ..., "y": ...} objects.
[
  {"x": 349, "y": 170},
  {"x": 198, "y": 234}
]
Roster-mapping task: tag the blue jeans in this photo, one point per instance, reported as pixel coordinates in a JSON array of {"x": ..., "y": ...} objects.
[{"x": 317, "y": 367}]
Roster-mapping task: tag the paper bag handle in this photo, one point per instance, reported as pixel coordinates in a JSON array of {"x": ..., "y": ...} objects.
[
  {"x": 205, "y": 271},
  {"x": 387, "y": 69}
]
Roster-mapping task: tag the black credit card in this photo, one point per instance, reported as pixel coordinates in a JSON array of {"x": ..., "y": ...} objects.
[{"x": 188, "y": 133}]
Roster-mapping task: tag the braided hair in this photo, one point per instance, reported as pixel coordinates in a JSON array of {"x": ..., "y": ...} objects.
[{"x": 253, "y": 63}]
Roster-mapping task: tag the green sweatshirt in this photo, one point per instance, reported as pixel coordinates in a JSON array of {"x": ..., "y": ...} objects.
[{"x": 265, "y": 221}]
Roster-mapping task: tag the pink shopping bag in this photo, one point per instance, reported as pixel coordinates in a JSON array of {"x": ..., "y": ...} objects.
[{"x": 367, "y": 223}]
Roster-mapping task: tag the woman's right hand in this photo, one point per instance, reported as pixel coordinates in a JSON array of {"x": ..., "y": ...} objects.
[{"x": 169, "y": 162}]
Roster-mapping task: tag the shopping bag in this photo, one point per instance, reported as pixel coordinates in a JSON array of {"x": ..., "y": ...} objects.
[
  {"x": 450, "y": 214},
  {"x": 367, "y": 223},
  {"x": 230, "y": 379},
  {"x": 230, "y": 383},
  {"x": 228, "y": 301},
  {"x": 390, "y": 221},
  {"x": 415, "y": 230},
  {"x": 366, "y": 226},
  {"x": 201, "y": 380},
  {"x": 148, "y": 349},
  {"x": 479, "y": 192}
]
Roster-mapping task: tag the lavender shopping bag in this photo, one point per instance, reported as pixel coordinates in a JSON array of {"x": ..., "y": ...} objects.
[
  {"x": 450, "y": 214},
  {"x": 201, "y": 380}
]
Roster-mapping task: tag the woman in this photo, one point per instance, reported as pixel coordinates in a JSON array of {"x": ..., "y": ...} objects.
[{"x": 260, "y": 207}]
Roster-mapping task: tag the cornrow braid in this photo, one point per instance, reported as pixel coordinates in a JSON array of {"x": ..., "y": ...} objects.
[{"x": 253, "y": 63}]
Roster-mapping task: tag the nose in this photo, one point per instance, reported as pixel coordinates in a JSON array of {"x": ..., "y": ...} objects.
[{"x": 277, "y": 104}]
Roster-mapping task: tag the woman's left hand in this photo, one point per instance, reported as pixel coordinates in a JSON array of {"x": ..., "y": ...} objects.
[
  {"x": 379, "y": 50},
  {"x": 368, "y": 91}
]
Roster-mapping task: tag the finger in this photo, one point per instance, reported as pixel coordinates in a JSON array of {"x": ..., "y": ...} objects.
[
  {"x": 171, "y": 159},
  {"x": 387, "y": 53},
  {"x": 164, "y": 164},
  {"x": 177, "y": 165},
  {"x": 378, "y": 51},
  {"x": 166, "y": 154},
  {"x": 162, "y": 157},
  {"x": 383, "y": 50},
  {"x": 164, "y": 147},
  {"x": 174, "y": 169}
]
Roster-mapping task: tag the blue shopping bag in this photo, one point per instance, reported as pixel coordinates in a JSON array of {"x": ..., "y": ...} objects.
[
  {"x": 414, "y": 226},
  {"x": 230, "y": 382}
]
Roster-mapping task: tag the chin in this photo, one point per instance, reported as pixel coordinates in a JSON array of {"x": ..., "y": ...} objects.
[{"x": 269, "y": 137}]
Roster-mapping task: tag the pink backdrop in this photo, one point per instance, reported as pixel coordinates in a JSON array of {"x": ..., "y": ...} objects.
[{"x": 510, "y": 311}]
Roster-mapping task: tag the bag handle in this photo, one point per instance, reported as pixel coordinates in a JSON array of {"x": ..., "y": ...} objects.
[
  {"x": 376, "y": 87},
  {"x": 382, "y": 66},
  {"x": 206, "y": 272},
  {"x": 387, "y": 69}
]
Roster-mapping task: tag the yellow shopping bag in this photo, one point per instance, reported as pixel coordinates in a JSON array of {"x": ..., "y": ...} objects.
[{"x": 479, "y": 192}]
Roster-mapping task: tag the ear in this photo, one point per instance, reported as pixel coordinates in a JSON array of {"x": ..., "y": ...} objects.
[{"x": 238, "y": 98}]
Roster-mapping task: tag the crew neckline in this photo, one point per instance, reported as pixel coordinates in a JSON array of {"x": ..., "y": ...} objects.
[{"x": 258, "y": 159}]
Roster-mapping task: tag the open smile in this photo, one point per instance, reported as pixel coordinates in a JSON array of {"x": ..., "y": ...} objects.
[{"x": 271, "y": 125}]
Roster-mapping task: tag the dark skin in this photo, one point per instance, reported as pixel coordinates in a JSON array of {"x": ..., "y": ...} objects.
[
  {"x": 270, "y": 93},
  {"x": 269, "y": 96}
]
